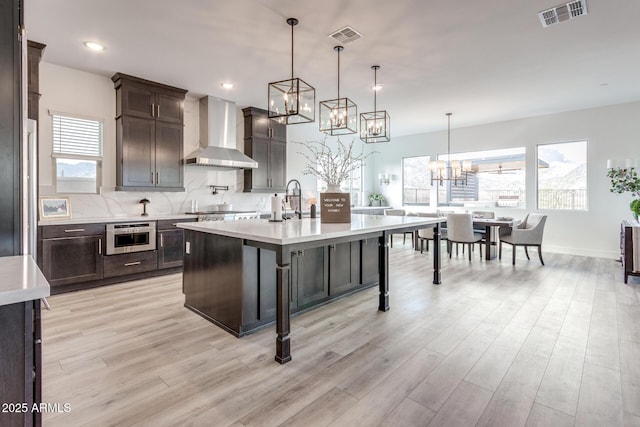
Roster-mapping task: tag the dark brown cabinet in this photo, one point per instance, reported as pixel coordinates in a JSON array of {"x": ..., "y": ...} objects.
[
  {"x": 71, "y": 254},
  {"x": 626, "y": 249},
  {"x": 21, "y": 356},
  {"x": 149, "y": 135},
  {"x": 265, "y": 141},
  {"x": 34, "y": 55},
  {"x": 131, "y": 263},
  {"x": 344, "y": 267},
  {"x": 369, "y": 271},
  {"x": 309, "y": 277},
  {"x": 170, "y": 241}
]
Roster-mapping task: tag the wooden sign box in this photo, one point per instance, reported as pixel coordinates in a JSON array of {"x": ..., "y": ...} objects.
[{"x": 335, "y": 208}]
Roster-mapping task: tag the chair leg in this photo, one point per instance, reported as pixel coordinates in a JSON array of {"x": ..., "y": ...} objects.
[
  {"x": 427, "y": 245},
  {"x": 540, "y": 254},
  {"x": 450, "y": 249},
  {"x": 421, "y": 245},
  {"x": 391, "y": 239},
  {"x": 457, "y": 249},
  {"x": 513, "y": 254},
  {"x": 404, "y": 238},
  {"x": 526, "y": 252},
  {"x": 480, "y": 247},
  {"x": 500, "y": 250},
  {"x": 469, "y": 244}
]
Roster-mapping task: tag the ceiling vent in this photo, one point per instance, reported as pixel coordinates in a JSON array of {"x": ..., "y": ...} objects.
[
  {"x": 346, "y": 35},
  {"x": 563, "y": 12}
]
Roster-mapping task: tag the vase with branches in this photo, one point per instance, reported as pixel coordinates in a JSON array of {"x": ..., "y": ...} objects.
[{"x": 332, "y": 165}]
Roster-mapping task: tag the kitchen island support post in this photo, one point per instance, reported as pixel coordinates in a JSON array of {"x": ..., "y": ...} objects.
[
  {"x": 436, "y": 254},
  {"x": 383, "y": 267},
  {"x": 283, "y": 325}
]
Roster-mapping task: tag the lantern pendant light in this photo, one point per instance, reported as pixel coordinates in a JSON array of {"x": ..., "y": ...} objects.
[
  {"x": 455, "y": 170},
  {"x": 292, "y": 101},
  {"x": 338, "y": 116},
  {"x": 375, "y": 126}
]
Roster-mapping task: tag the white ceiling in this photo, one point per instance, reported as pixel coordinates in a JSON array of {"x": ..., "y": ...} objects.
[{"x": 485, "y": 61}]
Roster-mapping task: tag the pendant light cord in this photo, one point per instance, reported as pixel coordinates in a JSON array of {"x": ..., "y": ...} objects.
[
  {"x": 292, "y": 25},
  {"x": 449, "y": 139},
  {"x": 375, "y": 89},
  {"x": 339, "y": 49}
]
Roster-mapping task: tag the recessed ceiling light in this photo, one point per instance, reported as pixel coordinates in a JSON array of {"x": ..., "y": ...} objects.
[
  {"x": 227, "y": 85},
  {"x": 94, "y": 46},
  {"x": 376, "y": 87}
]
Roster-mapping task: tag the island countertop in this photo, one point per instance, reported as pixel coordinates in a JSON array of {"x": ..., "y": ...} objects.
[
  {"x": 22, "y": 280},
  {"x": 306, "y": 229}
]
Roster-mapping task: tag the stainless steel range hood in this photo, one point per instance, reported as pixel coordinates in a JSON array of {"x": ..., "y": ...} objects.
[{"x": 218, "y": 138}]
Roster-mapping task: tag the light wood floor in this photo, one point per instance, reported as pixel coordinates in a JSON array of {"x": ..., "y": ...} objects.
[{"x": 492, "y": 346}]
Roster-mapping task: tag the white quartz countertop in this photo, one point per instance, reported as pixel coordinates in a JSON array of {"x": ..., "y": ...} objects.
[
  {"x": 94, "y": 220},
  {"x": 21, "y": 281},
  {"x": 306, "y": 229}
]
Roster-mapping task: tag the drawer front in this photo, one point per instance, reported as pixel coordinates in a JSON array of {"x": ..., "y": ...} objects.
[
  {"x": 71, "y": 230},
  {"x": 168, "y": 224},
  {"x": 124, "y": 264}
]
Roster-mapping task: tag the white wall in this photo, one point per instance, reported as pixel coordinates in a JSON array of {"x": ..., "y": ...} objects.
[{"x": 611, "y": 132}]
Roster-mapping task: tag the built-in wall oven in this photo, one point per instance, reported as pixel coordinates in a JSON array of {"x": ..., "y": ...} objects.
[{"x": 131, "y": 237}]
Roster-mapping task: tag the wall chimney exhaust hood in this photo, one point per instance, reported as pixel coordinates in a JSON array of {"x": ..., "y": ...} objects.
[{"x": 218, "y": 138}]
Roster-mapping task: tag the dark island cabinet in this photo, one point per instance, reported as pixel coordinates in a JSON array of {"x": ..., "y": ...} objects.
[
  {"x": 344, "y": 267},
  {"x": 265, "y": 141},
  {"x": 369, "y": 272},
  {"x": 149, "y": 135},
  {"x": 309, "y": 277},
  {"x": 21, "y": 356},
  {"x": 71, "y": 254}
]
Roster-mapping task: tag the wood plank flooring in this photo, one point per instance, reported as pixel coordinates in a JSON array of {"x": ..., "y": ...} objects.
[{"x": 494, "y": 345}]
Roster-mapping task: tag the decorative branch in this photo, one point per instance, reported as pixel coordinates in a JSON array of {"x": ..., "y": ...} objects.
[
  {"x": 332, "y": 167},
  {"x": 624, "y": 179}
]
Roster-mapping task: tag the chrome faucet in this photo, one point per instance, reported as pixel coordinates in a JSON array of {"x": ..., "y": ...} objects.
[{"x": 298, "y": 187}]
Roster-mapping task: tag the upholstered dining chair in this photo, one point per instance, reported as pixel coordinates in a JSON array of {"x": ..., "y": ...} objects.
[
  {"x": 426, "y": 234},
  {"x": 528, "y": 233},
  {"x": 399, "y": 212},
  {"x": 460, "y": 230}
]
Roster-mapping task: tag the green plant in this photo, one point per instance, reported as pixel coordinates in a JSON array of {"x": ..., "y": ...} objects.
[
  {"x": 623, "y": 179},
  {"x": 376, "y": 196},
  {"x": 635, "y": 207}
]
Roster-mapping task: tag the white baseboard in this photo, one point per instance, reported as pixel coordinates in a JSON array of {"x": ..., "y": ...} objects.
[{"x": 580, "y": 252}]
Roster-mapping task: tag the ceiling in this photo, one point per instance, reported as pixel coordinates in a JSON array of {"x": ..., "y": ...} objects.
[{"x": 485, "y": 61}]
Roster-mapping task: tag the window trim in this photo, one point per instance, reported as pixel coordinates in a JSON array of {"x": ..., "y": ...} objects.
[{"x": 431, "y": 187}]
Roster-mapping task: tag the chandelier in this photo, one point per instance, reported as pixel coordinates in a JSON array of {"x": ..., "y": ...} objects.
[
  {"x": 374, "y": 126},
  {"x": 292, "y": 101},
  {"x": 338, "y": 116},
  {"x": 455, "y": 170}
]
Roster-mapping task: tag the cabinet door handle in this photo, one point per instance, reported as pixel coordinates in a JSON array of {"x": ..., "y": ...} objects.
[
  {"x": 161, "y": 240},
  {"x": 129, "y": 264},
  {"x": 153, "y": 110},
  {"x": 151, "y": 177},
  {"x": 99, "y": 246},
  {"x": 157, "y": 179},
  {"x": 74, "y": 230},
  {"x": 158, "y": 115}
]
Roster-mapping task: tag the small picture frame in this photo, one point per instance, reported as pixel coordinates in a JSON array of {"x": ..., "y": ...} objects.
[{"x": 55, "y": 208}]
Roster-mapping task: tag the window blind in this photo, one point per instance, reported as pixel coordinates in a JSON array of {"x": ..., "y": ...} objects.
[{"x": 77, "y": 137}]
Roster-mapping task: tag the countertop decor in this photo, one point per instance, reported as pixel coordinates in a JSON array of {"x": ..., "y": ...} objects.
[
  {"x": 626, "y": 179},
  {"x": 332, "y": 165}
]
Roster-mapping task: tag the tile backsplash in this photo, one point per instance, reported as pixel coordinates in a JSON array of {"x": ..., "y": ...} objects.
[{"x": 112, "y": 204}]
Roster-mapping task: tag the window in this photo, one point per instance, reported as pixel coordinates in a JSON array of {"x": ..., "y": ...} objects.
[
  {"x": 77, "y": 154},
  {"x": 497, "y": 179},
  {"x": 562, "y": 184},
  {"x": 353, "y": 185},
  {"x": 416, "y": 181}
]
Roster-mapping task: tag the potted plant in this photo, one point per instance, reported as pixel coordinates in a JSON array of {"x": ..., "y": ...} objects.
[
  {"x": 376, "y": 199},
  {"x": 626, "y": 179}
]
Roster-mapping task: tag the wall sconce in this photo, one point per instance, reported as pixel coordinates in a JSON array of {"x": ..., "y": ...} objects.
[
  {"x": 383, "y": 178},
  {"x": 622, "y": 164}
]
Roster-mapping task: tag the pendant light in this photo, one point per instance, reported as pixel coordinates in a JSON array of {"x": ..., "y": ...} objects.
[
  {"x": 375, "y": 126},
  {"x": 448, "y": 170},
  {"x": 292, "y": 101},
  {"x": 338, "y": 116}
]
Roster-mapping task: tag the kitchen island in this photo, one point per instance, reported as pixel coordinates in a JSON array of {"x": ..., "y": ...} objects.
[{"x": 230, "y": 268}]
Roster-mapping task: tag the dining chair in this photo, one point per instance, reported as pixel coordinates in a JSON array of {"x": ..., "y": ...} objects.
[
  {"x": 528, "y": 233},
  {"x": 426, "y": 234},
  {"x": 460, "y": 230},
  {"x": 483, "y": 215},
  {"x": 399, "y": 212}
]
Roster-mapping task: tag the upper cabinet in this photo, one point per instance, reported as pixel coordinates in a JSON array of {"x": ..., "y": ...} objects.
[
  {"x": 149, "y": 135},
  {"x": 265, "y": 141}
]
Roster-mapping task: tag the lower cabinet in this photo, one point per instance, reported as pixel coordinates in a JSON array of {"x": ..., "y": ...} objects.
[
  {"x": 344, "y": 267},
  {"x": 309, "y": 277},
  {"x": 72, "y": 259},
  {"x": 20, "y": 353},
  {"x": 369, "y": 271},
  {"x": 170, "y": 248},
  {"x": 131, "y": 263}
]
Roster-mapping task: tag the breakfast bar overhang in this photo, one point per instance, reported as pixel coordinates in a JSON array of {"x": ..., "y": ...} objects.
[{"x": 285, "y": 238}]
